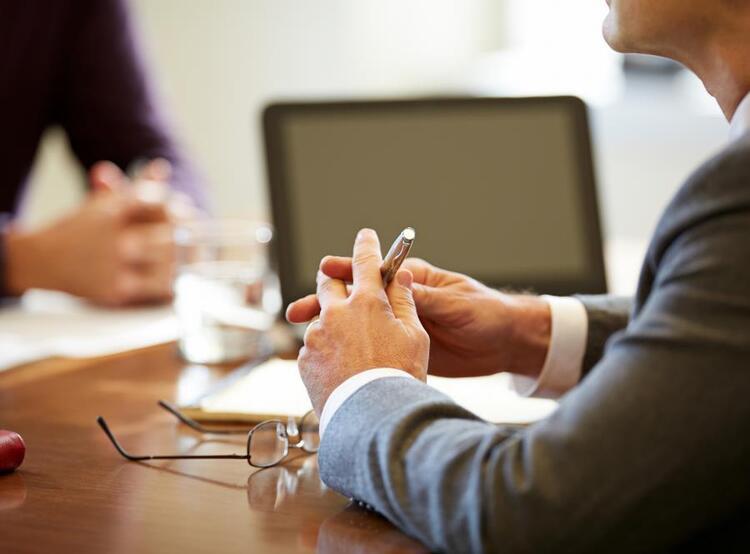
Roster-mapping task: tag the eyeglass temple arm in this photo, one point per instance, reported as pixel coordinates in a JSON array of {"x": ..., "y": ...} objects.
[
  {"x": 103, "y": 424},
  {"x": 197, "y": 426}
]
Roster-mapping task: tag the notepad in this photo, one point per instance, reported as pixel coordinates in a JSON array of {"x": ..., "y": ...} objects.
[
  {"x": 50, "y": 323},
  {"x": 274, "y": 389}
]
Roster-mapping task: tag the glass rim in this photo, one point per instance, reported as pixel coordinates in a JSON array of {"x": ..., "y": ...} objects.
[
  {"x": 307, "y": 417},
  {"x": 250, "y": 440},
  {"x": 222, "y": 230}
]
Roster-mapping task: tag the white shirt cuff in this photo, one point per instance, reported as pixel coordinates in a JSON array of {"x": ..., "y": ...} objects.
[
  {"x": 563, "y": 364},
  {"x": 341, "y": 393}
]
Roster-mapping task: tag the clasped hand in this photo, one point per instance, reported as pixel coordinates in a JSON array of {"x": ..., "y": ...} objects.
[
  {"x": 116, "y": 249},
  {"x": 427, "y": 318},
  {"x": 363, "y": 327}
]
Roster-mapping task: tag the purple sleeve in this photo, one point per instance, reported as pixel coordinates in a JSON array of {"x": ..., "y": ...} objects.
[
  {"x": 3, "y": 276},
  {"x": 109, "y": 107}
]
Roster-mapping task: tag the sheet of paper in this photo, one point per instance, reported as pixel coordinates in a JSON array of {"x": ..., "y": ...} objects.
[
  {"x": 46, "y": 323},
  {"x": 493, "y": 398},
  {"x": 271, "y": 389},
  {"x": 274, "y": 389}
]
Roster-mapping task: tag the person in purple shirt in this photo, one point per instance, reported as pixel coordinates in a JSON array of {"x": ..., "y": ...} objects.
[{"x": 76, "y": 64}]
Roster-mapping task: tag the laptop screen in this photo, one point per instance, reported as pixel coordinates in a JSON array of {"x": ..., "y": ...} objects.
[{"x": 501, "y": 190}]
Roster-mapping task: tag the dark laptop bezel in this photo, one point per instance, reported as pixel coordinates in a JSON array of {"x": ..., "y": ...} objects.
[{"x": 595, "y": 282}]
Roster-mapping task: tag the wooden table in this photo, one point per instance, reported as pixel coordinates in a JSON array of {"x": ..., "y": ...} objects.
[{"x": 75, "y": 494}]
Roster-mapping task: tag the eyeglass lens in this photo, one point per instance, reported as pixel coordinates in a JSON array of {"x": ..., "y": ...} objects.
[{"x": 268, "y": 444}]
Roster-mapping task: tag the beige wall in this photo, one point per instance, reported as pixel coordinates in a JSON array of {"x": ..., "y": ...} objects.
[{"x": 219, "y": 62}]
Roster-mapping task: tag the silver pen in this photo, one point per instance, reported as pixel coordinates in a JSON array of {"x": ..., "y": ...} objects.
[{"x": 397, "y": 254}]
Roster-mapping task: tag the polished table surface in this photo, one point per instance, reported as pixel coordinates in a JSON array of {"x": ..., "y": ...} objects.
[{"x": 74, "y": 493}]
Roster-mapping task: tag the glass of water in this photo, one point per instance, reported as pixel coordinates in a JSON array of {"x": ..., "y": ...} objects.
[{"x": 225, "y": 295}]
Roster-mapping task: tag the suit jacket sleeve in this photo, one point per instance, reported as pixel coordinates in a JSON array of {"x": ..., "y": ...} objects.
[
  {"x": 106, "y": 102},
  {"x": 649, "y": 450},
  {"x": 607, "y": 314}
]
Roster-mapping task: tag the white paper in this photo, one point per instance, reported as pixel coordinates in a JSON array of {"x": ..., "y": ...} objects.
[
  {"x": 493, "y": 398},
  {"x": 47, "y": 323},
  {"x": 272, "y": 388},
  {"x": 275, "y": 388}
]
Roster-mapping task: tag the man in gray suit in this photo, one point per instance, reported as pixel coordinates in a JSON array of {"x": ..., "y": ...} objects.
[{"x": 650, "y": 447}]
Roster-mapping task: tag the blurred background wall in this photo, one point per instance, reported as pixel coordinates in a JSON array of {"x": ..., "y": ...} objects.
[{"x": 218, "y": 63}]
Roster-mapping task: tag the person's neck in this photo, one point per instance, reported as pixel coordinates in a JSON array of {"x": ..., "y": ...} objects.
[{"x": 724, "y": 70}]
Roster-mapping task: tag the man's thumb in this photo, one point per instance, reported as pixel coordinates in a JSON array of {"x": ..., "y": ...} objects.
[
  {"x": 430, "y": 303},
  {"x": 401, "y": 298}
]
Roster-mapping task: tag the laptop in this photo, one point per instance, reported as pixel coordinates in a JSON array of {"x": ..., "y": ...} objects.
[{"x": 501, "y": 189}]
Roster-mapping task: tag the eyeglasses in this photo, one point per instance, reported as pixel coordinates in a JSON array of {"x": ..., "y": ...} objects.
[{"x": 267, "y": 443}]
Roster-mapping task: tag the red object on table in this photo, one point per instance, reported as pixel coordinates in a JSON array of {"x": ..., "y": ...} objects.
[{"x": 12, "y": 451}]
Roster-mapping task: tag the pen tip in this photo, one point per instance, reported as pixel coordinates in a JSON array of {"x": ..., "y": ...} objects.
[{"x": 410, "y": 234}]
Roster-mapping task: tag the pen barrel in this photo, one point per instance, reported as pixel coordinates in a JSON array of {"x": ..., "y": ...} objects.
[
  {"x": 396, "y": 255},
  {"x": 388, "y": 273}
]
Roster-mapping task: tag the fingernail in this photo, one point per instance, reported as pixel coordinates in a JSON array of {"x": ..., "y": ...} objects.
[{"x": 364, "y": 233}]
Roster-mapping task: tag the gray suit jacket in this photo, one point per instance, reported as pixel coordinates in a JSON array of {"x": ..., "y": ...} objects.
[{"x": 651, "y": 452}]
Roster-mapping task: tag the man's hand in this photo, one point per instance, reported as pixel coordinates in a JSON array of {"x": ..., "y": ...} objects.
[
  {"x": 474, "y": 330},
  {"x": 364, "y": 328},
  {"x": 116, "y": 249}
]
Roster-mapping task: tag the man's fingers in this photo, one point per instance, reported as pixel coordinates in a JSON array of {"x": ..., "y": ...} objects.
[
  {"x": 330, "y": 290},
  {"x": 427, "y": 274},
  {"x": 337, "y": 267},
  {"x": 303, "y": 310},
  {"x": 307, "y": 308},
  {"x": 400, "y": 297},
  {"x": 311, "y": 329},
  {"x": 366, "y": 261},
  {"x": 420, "y": 269},
  {"x": 340, "y": 267},
  {"x": 431, "y": 302}
]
